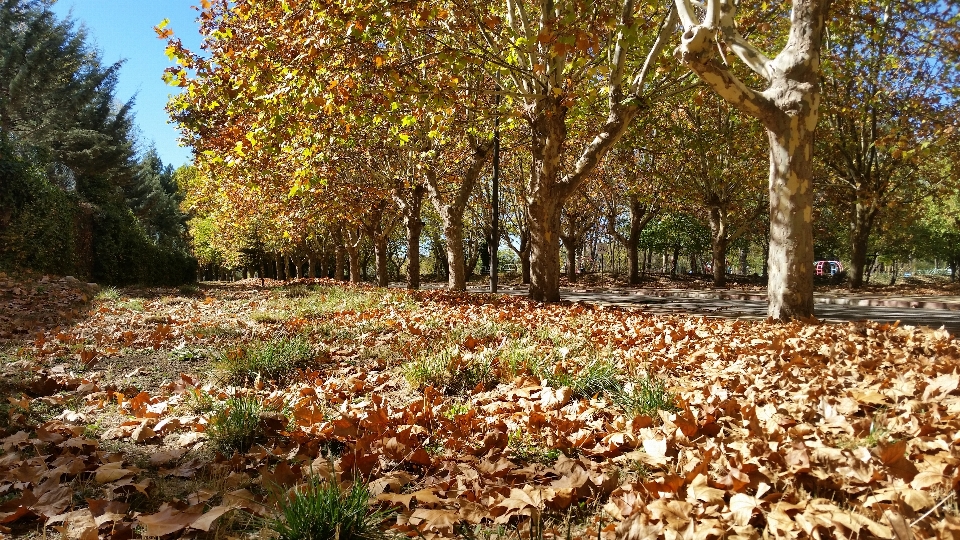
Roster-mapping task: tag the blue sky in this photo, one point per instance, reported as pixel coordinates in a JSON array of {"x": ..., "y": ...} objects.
[{"x": 123, "y": 30}]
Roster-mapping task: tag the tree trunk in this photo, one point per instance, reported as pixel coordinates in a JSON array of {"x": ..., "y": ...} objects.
[
  {"x": 790, "y": 265},
  {"x": 456, "y": 264},
  {"x": 312, "y": 266},
  {"x": 743, "y": 261},
  {"x": 719, "y": 263},
  {"x": 719, "y": 238},
  {"x": 414, "y": 226},
  {"x": 860, "y": 227},
  {"x": 633, "y": 260},
  {"x": 788, "y": 108},
  {"x": 545, "y": 249},
  {"x": 352, "y": 247},
  {"x": 525, "y": 257},
  {"x": 571, "y": 252},
  {"x": 383, "y": 260},
  {"x": 675, "y": 261}
]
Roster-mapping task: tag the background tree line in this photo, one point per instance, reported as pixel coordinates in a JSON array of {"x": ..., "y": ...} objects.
[
  {"x": 77, "y": 196},
  {"x": 329, "y": 134}
]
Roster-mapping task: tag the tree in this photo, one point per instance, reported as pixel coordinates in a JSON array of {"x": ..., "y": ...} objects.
[
  {"x": 721, "y": 186},
  {"x": 788, "y": 109},
  {"x": 887, "y": 74}
]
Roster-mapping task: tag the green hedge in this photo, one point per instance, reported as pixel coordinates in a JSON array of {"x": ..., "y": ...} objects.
[{"x": 46, "y": 229}]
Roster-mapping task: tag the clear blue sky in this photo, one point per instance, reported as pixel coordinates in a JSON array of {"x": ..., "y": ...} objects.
[{"x": 123, "y": 30}]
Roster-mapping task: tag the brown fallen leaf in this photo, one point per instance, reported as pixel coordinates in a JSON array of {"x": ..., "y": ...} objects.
[
  {"x": 210, "y": 517},
  {"x": 167, "y": 521},
  {"x": 111, "y": 472}
]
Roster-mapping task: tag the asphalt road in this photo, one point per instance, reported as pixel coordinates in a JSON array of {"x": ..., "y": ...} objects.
[{"x": 754, "y": 309}]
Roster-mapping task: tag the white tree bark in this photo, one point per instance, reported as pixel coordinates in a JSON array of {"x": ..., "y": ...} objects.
[{"x": 789, "y": 110}]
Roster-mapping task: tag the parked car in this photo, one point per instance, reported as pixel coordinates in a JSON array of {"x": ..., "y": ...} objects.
[{"x": 827, "y": 268}]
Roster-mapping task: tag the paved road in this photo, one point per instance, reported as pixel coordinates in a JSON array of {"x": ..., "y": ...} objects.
[{"x": 756, "y": 309}]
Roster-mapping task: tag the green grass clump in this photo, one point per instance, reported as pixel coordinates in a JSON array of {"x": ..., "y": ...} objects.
[
  {"x": 273, "y": 360},
  {"x": 596, "y": 378},
  {"x": 322, "y": 510},
  {"x": 450, "y": 371},
  {"x": 235, "y": 424},
  {"x": 646, "y": 396},
  {"x": 108, "y": 294}
]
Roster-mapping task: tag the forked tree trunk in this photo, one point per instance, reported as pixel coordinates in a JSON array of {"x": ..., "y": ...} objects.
[
  {"x": 451, "y": 211},
  {"x": 351, "y": 245},
  {"x": 789, "y": 110}
]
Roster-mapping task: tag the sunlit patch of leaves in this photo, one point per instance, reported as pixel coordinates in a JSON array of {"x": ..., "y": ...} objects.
[
  {"x": 268, "y": 360},
  {"x": 323, "y": 510}
]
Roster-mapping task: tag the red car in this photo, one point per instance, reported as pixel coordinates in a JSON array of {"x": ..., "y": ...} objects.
[{"x": 827, "y": 268}]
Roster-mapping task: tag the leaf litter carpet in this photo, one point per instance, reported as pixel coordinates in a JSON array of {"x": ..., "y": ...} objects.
[{"x": 779, "y": 430}]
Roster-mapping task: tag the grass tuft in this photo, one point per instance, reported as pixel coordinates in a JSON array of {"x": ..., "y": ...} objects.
[
  {"x": 596, "y": 378},
  {"x": 235, "y": 424},
  {"x": 273, "y": 360},
  {"x": 322, "y": 510},
  {"x": 646, "y": 396},
  {"x": 450, "y": 371},
  {"x": 108, "y": 294}
]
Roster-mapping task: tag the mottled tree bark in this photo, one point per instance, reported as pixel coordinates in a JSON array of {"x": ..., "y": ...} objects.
[{"x": 789, "y": 110}]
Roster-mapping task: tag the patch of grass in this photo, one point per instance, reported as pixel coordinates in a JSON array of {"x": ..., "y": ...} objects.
[
  {"x": 133, "y": 304},
  {"x": 274, "y": 360},
  {"x": 596, "y": 378},
  {"x": 877, "y": 435},
  {"x": 524, "y": 448},
  {"x": 270, "y": 316},
  {"x": 450, "y": 371},
  {"x": 235, "y": 424},
  {"x": 456, "y": 409},
  {"x": 322, "y": 510},
  {"x": 108, "y": 294},
  {"x": 217, "y": 331},
  {"x": 646, "y": 396}
]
